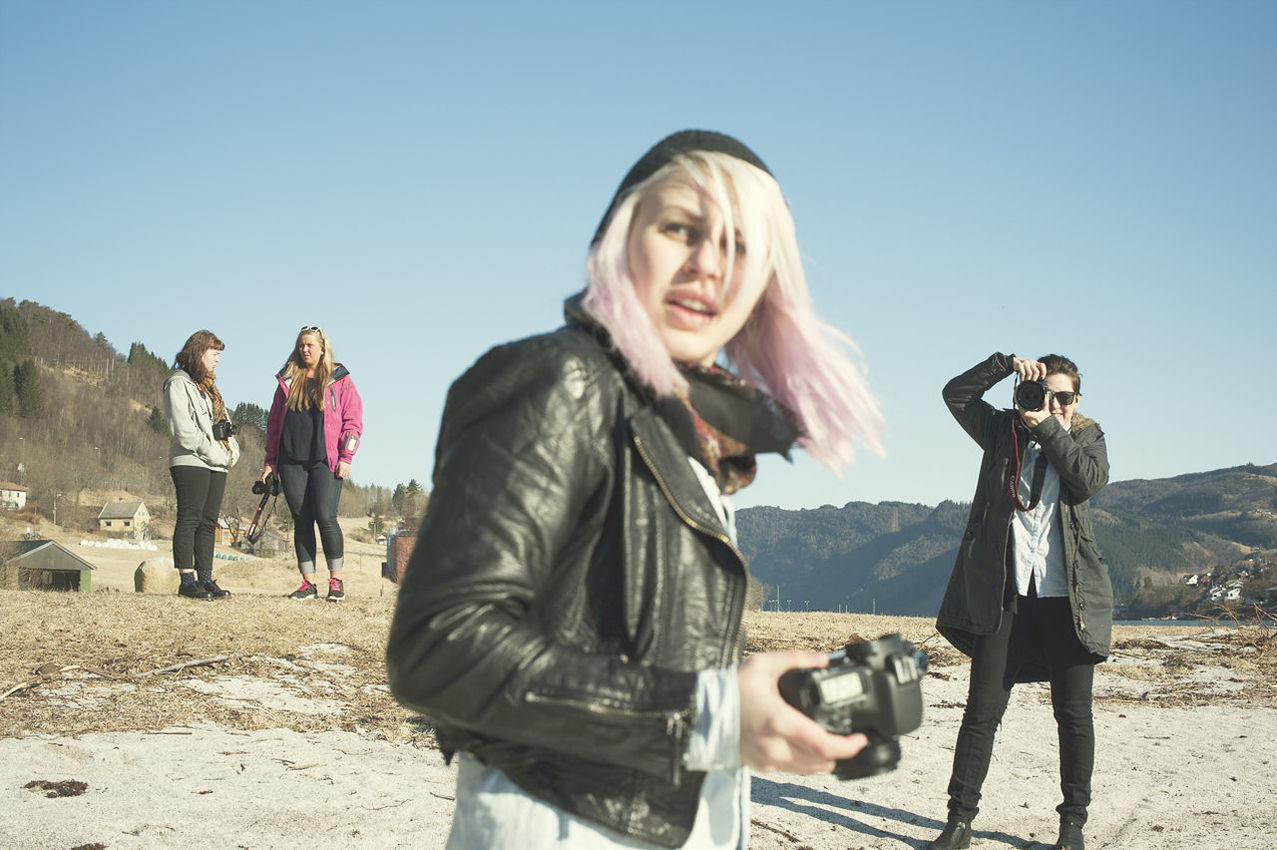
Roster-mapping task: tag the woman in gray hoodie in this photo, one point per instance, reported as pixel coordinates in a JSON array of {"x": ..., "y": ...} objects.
[{"x": 201, "y": 453}]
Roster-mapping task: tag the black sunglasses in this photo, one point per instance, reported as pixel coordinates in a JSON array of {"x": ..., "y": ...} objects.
[{"x": 1065, "y": 398}]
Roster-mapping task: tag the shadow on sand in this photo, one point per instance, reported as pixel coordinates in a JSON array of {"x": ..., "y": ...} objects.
[{"x": 820, "y": 805}]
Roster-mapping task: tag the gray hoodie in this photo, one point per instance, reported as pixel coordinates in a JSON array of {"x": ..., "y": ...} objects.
[{"x": 190, "y": 417}]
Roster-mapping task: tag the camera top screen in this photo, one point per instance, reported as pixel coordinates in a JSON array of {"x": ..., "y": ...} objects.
[{"x": 841, "y": 688}]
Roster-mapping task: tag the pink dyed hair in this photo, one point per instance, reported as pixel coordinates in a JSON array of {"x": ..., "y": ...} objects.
[{"x": 784, "y": 349}]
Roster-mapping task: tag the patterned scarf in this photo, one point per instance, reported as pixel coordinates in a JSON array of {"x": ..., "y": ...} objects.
[{"x": 723, "y": 421}]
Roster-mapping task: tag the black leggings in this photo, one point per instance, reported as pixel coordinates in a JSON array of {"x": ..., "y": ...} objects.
[
  {"x": 199, "y": 499},
  {"x": 1044, "y": 625},
  {"x": 312, "y": 491}
]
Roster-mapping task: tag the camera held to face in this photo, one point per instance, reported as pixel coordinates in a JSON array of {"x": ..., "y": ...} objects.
[
  {"x": 1031, "y": 395},
  {"x": 224, "y": 429},
  {"x": 874, "y": 687}
]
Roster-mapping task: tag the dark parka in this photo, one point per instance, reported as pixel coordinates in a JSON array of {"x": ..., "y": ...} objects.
[
  {"x": 973, "y": 601},
  {"x": 569, "y": 580}
]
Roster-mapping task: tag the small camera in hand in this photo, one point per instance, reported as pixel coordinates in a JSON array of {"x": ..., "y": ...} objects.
[
  {"x": 874, "y": 687},
  {"x": 269, "y": 487},
  {"x": 224, "y": 429},
  {"x": 1031, "y": 395}
]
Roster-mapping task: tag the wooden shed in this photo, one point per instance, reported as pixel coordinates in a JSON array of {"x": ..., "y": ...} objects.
[{"x": 44, "y": 565}]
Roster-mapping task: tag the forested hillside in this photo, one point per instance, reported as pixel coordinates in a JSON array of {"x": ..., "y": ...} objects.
[
  {"x": 77, "y": 416},
  {"x": 895, "y": 558}
]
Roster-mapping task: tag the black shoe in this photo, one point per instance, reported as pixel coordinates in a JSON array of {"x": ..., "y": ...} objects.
[
  {"x": 1070, "y": 836},
  {"x": 336, "y": 591},
  {"x": 306, "y": 591},
  {"x": 215, "y": 591},
  {"x": 194, "y": 590},
  {"x": 956, "y": 835}
]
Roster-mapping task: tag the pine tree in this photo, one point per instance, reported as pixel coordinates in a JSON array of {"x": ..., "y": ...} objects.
[
  {"x": 14, "y": 336},
  {"x": 156, "y": 422},
  {"x": 26, "y": 385},
  {"x": 8, "y": 398}
]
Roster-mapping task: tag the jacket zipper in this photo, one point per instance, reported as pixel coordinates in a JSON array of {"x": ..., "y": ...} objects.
[
  {"x": 738, "y": 598},
  {"x": 676, "y": 722}
]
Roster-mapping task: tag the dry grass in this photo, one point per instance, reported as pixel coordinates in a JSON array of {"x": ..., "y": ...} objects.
[
  {"x": 83, "y": 663},
  {"x": 108, "y": 661}
]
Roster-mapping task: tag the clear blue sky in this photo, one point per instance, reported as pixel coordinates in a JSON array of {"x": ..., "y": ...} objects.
[{"x": 1092, "y": 178}]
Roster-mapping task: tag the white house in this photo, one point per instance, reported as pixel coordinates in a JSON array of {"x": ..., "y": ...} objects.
[{"x": 13, "y": 497}]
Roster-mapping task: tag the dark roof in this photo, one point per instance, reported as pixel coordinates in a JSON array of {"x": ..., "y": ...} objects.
[
  {"x": 120, "y": 510},
  {"x": 26, "y": 548}
]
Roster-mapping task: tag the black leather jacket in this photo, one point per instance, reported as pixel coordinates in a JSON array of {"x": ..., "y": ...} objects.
[{"x": 569, "y": 581}]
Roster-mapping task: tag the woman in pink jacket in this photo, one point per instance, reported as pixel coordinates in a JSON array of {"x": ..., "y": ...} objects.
[{"x": 312, "y": 434}]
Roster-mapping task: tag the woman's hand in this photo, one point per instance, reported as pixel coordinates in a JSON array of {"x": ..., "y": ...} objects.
[
  {"x": 266, "y": 470},
  {"x": 343, "y": 468},
  {"x": 775, "y": 736},
  {"x": 1034, "y": 418},
  {"x": 1029, "y": 370}
]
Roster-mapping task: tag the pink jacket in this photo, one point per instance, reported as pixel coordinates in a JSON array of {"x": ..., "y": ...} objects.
[{"x": 343, "y": 419}]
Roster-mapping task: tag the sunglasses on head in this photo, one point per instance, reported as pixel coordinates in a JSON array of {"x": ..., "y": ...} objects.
[{"x": 311, "y": 329}]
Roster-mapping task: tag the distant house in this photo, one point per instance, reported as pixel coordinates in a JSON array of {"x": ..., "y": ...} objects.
[
  {"x": 44, "y": 565},
  {"x": 13, "y": 497},
  {"x": 272, "y": 543},
  {"x": 125, "y": 519},
  {"x": 223, "y": 534},
  {"x": 1191, "y": 580}
]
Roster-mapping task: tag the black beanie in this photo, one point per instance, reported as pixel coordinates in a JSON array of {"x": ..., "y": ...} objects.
[{"x": 684, "y": 141}]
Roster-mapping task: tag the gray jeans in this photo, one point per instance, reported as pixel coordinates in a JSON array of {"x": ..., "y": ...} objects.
[{"x": 312, "y": 491}]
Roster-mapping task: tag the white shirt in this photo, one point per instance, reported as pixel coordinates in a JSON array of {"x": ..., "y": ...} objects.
[
  {"x": 1036, "y": 534},
  {"x": 493, "y": 813}
]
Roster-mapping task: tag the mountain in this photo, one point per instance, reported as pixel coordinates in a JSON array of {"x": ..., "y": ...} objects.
[{"x": 895, "y": 557}]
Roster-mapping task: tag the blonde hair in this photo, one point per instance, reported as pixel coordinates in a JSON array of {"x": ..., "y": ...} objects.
[
  {"x": 302, "y": 393},
  {"x": 784, "y": 349}
]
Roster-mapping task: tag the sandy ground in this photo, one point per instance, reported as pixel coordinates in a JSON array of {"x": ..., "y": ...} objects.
[
  {"x": 1167, "y": 777},
  {"x": 1184, "y": 762}
]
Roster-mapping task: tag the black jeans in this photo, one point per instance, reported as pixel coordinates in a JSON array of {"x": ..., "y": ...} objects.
[
  {"x": 1041, "y": 627},
  {"x": 313, "y": 491},
  {"x": 199, "y": 499}
]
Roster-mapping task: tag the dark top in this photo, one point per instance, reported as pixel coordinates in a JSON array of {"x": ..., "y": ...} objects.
[{"x": 302, "y": 437}]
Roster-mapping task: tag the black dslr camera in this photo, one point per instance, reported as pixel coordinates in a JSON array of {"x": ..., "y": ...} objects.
[
  {"x": 874, "y": 687},
  {"x": 224, "y": 429},
  {"x": 1031, "y": 395},
  {"x": 269, "y": 487}
]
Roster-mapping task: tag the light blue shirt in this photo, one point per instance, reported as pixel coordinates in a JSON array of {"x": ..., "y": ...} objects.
[
  {"x": 1036, "y": 534},
  {"x": 493, "y": 813}
]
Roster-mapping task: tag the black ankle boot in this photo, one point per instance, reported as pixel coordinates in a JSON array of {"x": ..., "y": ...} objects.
[
  {"x": 1070, "y": 836},
  {"x": 193, "y": 590},
  {"x": 956, "y": 835},
  {"x": 213, "y": 590}
]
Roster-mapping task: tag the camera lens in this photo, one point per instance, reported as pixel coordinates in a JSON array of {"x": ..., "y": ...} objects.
[
  {"x": 880, "y": 755},
  {"x": 1031, "y": 395}
]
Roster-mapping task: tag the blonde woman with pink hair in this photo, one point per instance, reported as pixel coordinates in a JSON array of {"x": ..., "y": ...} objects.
[{"x": 570, "y": 618}]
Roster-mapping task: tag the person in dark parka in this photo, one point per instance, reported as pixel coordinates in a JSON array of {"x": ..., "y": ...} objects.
[{"x": 1030, "y": 597}]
